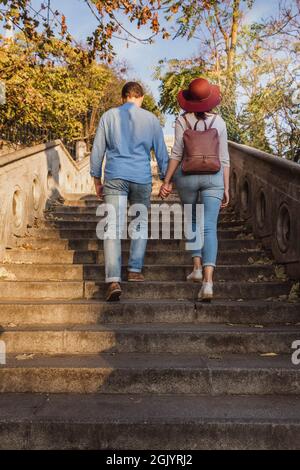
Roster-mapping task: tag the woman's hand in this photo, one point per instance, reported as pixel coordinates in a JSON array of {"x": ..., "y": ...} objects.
[
  {"x": 226, "y": 199},
  {"x": 165, "y": 190}
]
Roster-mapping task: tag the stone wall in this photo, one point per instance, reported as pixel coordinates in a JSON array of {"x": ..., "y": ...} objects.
[
  {"x": 30, "y": 179},
  {"x": 265, "y": 191}
]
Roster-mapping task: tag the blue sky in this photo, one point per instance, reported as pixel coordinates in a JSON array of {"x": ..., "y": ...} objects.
[{"x": 143, "y": 59}]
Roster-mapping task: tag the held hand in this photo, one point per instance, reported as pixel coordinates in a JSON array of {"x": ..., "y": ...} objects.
[
  {"x": 165, "y": 190},
  {"x": 98, "y": 188},
  {"x": 225, "y": 201}
]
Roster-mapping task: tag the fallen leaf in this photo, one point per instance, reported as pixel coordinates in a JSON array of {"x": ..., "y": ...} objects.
[
  {"x": 294, "y": 294},
  {"x": 24, "y": 357},
  {"x": 280, "y": 272},
  {"x": 283, "y": 297},
  {"x": 269, "y": 354},
  {"x": 6, "y": 275}
]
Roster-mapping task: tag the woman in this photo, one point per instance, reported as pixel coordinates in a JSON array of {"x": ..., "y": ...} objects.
[{"x": 198, "y": 102}]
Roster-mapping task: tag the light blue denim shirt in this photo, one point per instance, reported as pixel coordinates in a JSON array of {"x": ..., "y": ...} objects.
[{"x": 126, "y": 135}]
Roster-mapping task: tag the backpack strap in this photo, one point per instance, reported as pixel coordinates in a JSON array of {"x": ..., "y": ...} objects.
[
  {"x": 213, "y": 120},
  {"x": 196, "y": 124},
  {"x": 186, "y": 121}
]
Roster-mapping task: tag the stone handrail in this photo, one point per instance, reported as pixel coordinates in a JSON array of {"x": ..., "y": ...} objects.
[
  {"x": 265, "y": 191},
  {"x": 32, "y": 178}
]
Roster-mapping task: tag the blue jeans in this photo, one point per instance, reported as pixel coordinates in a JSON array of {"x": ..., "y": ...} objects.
[
  {"x": 210, "y": 189},
  {"x": 118, "y": 192}
]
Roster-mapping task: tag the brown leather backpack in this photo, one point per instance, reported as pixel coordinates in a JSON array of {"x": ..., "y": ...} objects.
[{"x": 201, "y": 149}]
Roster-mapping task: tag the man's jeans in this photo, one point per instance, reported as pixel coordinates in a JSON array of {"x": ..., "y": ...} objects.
[
  {"x": 118, "y": 193},
  {"x": 210, "y": 188}
]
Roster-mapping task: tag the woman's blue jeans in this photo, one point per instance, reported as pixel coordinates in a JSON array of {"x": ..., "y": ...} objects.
[
  {"x": 207, "y": 190},
  {"x": 118, "y": 193}
]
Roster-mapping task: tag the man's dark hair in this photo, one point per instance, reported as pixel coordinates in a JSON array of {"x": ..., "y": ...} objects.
[{"x": 132, "y": 90}]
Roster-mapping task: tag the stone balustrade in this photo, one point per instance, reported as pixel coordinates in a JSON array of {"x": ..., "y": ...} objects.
[
  {"x": 32, "y": 178},
  {"x": 265, "y": 191}
]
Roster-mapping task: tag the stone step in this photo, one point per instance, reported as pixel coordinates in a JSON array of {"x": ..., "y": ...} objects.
[
  {"x": 91, "y": 218},
  {"x": 79, "y": 272},
  {"x": 60, "y": 256},
  {"x": 26, "y": 290},
  {"x": 183, "y": 290},
  {"x": 138, "y": 421},
  {"x": 247, "y": 312},
  {"x": 155, "y": 200},
  {"x": 85, "y": 233},
  {"x": 203, "y": 339},
  {"x": 95, "y": 244},
  {"x": 151, "y": 374},
  {"x": 79, "y": 211},
  {"x": 152, "y": 226}
]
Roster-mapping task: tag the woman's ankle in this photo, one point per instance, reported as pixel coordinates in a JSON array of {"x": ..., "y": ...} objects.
[
  {"x": 197, "y": 263},
  {"x": 208, "y": 274}
]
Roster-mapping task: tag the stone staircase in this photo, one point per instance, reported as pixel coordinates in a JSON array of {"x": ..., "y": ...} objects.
[{"x": 158, "y": 370}]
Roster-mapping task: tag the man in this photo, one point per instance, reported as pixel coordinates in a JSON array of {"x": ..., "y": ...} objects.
[{"x": 126, "y": 135}]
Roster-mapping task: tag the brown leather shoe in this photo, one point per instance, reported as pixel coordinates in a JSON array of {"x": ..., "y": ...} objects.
[
  {"x": 114, "y": 292},
  {"x": 135, "y": 277}
]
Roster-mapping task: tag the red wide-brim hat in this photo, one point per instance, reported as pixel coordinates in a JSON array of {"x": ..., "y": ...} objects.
[{"x": 201, "y": 96}]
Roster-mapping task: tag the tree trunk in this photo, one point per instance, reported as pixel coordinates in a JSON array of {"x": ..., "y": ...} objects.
[{"x": 231, "y": 53}]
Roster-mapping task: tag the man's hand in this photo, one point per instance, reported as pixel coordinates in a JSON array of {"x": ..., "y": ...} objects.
[
  {"x": 165, "y": 190},
  {"x": 226, "y": 198},
  {"x": 98, "y": 188}
]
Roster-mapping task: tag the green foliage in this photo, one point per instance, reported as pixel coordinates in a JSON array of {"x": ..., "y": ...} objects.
[
  {"x": 151, "y": 105},
  {"x": 260, "y": 102},
  {"x": 56, "y": 96},
  {"x": 176, "y": 75},
  {"x": 61, "y": 96}
]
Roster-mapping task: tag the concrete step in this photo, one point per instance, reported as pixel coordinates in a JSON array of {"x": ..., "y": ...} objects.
[
  {"x": 62, "y": 224},
  {"x": 203, "y": 339},
  {"x": 90, "y": 211},
  {"x": 91, "y": 218},
  {"x": 95, "y": 244},
  {"x": 152, "y": 374},
  {"x": 85, "y": 233},
  {"x": 91, "y": 272},
  {"x": 91, "y": 199},
  {"x": 23, "y": 256},
  {"x": 247, "y": 312},
  {"x": 138, "y": 421},
  {"x": 41, "y": 290},
  {"x": 183, "y": 290}
]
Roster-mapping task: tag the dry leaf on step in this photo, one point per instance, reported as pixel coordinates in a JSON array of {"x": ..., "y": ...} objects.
[
  {"x": 24, "y": 357},
  {"x": 269, "y": 354},
  {"x": 280, "y": 272},
  {"x": 6, "y": 275}
]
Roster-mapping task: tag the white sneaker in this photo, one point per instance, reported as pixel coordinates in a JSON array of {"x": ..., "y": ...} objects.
[
  {"x": 206, "y": 291},
  {"x": 195, "y": 276}
]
